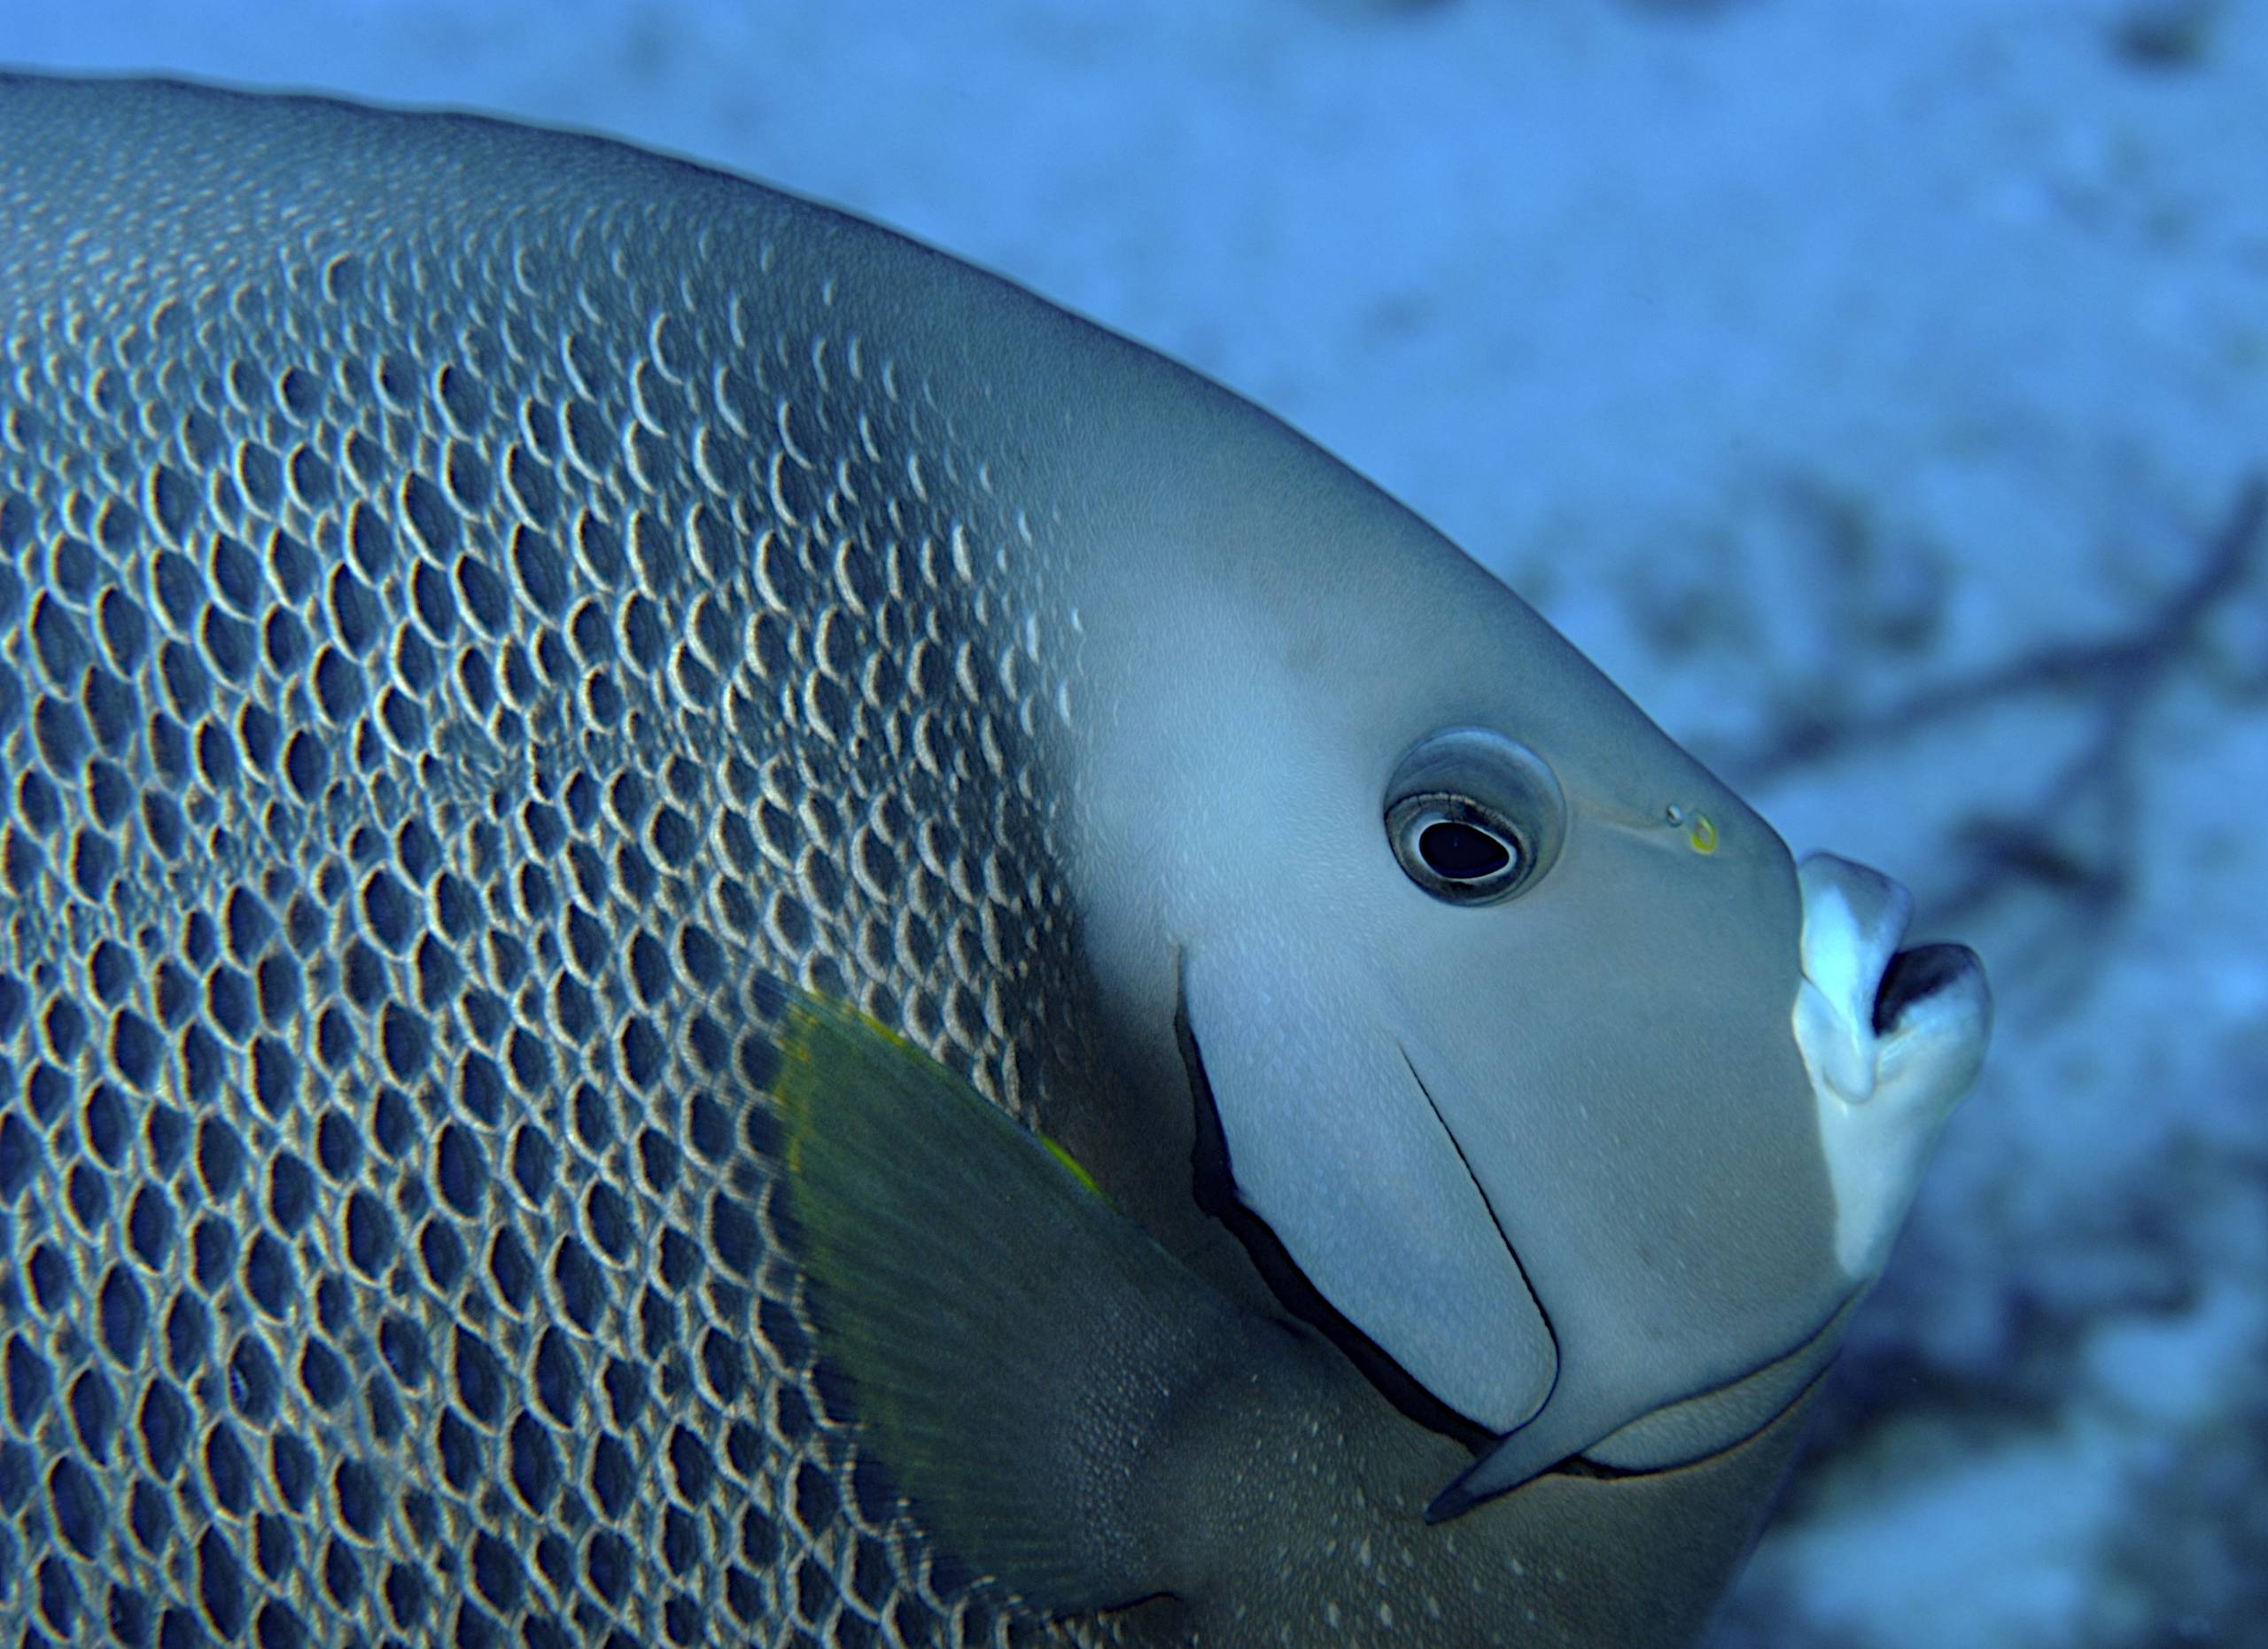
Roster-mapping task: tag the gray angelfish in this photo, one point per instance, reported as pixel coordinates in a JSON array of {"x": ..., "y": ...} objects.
[{"x": 525, "y": 666}]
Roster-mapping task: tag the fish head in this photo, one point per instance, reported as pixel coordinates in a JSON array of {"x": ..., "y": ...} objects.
[{"x": 1531, "y": 1065}]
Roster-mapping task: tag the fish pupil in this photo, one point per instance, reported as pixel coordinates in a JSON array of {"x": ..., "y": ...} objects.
[{"x": 1462, "y": 853}]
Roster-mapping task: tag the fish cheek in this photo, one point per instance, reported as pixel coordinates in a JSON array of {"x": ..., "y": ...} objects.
[
  {"x": 1214, "y": 1192},
  {"x": 1314, "y": 1128}
]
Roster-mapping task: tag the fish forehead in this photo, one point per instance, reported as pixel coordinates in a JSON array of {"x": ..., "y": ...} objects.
[{"x": 485, "y": 610}]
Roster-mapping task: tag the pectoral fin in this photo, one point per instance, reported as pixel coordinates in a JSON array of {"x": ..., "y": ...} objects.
[{"x": 1021, "y": 1354}]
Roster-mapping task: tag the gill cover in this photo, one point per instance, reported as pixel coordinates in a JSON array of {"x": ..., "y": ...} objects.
[{"x": 1334, "y": 1142}]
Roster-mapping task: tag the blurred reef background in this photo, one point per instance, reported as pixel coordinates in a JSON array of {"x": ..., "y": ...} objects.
[{"x": 1877, "y": 389}]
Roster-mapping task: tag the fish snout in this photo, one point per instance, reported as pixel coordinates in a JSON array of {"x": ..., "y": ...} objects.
[{"x": 1892, "y": 1039}]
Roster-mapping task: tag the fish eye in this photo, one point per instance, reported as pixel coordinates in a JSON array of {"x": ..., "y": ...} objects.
[
  {"x": 1454, "y": 847},
  {"x": 1474, "y": 817}
]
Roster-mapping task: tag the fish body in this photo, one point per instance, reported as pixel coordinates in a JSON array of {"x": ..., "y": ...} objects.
[{"x": 494, "y": 625}]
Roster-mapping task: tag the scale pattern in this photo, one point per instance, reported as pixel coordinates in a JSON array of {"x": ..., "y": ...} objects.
[{"x": 477, "y": 618}]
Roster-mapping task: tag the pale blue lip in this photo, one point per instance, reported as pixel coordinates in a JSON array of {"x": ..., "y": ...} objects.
[{"x": 1890, "y": 1038}]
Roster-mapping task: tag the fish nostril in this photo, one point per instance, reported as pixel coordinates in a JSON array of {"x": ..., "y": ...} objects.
[{"x": 1916, "y": 974}]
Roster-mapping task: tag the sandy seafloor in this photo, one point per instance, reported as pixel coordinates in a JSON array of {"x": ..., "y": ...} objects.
[{"x": 1872, "y": 386}]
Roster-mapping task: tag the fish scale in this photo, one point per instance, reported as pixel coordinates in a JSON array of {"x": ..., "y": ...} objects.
[{"x": 465, "y": 650}]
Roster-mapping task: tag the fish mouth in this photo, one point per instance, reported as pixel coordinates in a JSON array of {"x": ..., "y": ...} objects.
[
  {"x": 1891, "y": 1038},
  {"x": 1912, "y": 977}
]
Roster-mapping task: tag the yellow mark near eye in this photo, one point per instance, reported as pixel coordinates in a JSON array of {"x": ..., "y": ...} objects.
[{"x": 1700, "y": 833}]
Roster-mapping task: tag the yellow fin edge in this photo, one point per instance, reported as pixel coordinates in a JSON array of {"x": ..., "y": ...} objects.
[{"x": 809, "y": 1022}]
